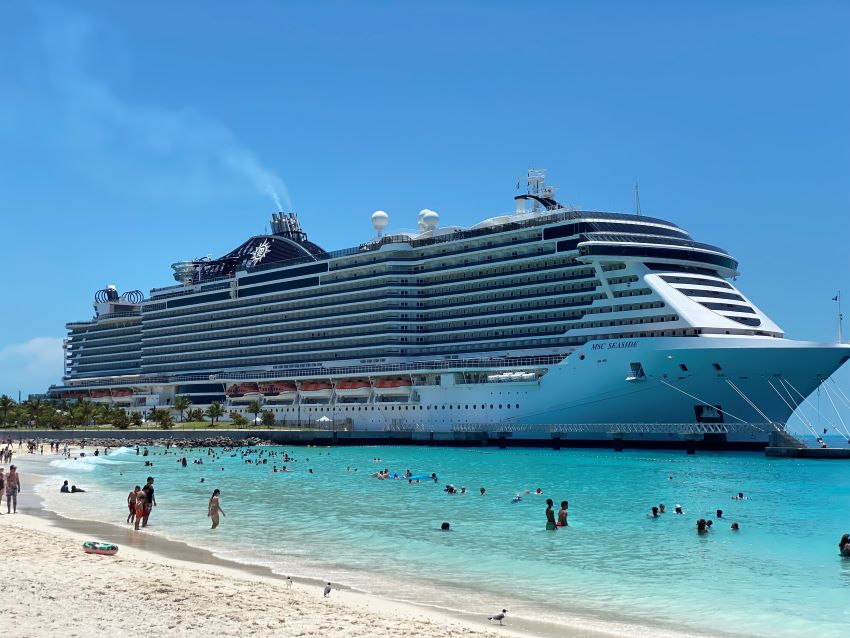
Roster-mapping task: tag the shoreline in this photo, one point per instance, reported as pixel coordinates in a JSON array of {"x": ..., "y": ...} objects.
[{"x": 154, "y": 549}]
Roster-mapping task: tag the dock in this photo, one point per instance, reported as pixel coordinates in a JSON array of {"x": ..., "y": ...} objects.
[{"x": 786, "y": 446}]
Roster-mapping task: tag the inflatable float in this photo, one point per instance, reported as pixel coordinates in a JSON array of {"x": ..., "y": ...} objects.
[{"x": 104, "y": 549}]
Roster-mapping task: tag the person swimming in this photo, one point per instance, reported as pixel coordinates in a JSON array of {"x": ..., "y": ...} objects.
[
  {"x": 734, "y": 527},
  {"x": 844, "y": 546},
  {"x": 702, "y": 527},
  {"x": 653, "y": 514},
  {"x": 661, "y": 508}
]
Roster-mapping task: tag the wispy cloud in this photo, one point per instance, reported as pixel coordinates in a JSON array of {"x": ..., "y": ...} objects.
[
  {"x": 30, "y": 367},
  {"x": 176, "y": 154}
]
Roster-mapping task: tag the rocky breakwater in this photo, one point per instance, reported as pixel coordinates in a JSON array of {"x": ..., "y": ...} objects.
[{"x": 175, "y": 441}]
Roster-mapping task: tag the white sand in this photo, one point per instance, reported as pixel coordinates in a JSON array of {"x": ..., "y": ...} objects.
[{"x": 52, "y": 588}]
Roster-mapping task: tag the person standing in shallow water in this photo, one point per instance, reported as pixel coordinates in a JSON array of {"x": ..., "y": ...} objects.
[
  {"x": 562, "y": 514},
  {"x": 214, "y": 508},
  {"x": 150, "y": 501},
  {"x": 550, "y": 514}
]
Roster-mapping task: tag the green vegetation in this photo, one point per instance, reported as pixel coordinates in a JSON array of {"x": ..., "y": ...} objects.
[
  {"x": 215, "y": 411},
  {"x": 181, "y": 404}
]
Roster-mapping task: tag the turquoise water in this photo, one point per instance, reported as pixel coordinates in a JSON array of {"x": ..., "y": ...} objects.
[{"x": 780, "y": 575}]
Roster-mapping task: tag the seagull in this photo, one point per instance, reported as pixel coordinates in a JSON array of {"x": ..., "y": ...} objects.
[
  {"x": 499, "y": 617},
  {"x": 327, "y": 590},
  {"x": 289, "y": 582}
]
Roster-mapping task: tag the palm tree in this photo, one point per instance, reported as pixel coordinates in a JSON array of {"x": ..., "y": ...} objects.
[
  {"x": 254, "y": 408},
  {"x": 34, "y": 409},
  {"x": 6, "y": 404},
  {"x": 181, "y": 404},
  {"x": 82, "y": 412},
  {"x": 214, "y": 412}
]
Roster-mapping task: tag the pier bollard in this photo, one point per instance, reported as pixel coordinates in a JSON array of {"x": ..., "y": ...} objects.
[
  {"x": 430, "y": 439},
  {"x": 691, "y": 447},
  {"x": 502, "y": 442},
  {"x": 556, "y": 442},
  {"x": 618, "y": 445}
]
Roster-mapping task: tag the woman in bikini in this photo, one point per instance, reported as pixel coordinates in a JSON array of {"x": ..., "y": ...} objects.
[{"x": 214, "y": 508}]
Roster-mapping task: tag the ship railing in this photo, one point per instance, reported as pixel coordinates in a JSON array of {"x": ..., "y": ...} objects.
[
  {"x": 506, "y": 364},
  {"x": 614, "y": 429}
]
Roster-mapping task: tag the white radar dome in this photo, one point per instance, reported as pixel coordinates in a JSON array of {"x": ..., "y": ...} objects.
[
  {"x": 380, "y": 220},
  {"x": 430, "y": 219}
]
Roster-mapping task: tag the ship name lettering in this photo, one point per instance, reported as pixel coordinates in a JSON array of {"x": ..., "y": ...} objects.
[{"x": 623, "y": 344}]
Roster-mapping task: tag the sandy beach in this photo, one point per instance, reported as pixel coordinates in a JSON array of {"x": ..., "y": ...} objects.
[
  {"x": 53, "y": 588},
  {"x": 165, "y": 588}
]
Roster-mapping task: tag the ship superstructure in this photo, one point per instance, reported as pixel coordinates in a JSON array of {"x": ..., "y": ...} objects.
[{"x": 547, "y": 315}]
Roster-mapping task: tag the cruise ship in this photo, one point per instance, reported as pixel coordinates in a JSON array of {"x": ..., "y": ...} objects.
[{"x": 546, "y": 319}]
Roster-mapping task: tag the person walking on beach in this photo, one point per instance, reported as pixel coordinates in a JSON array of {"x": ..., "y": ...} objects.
[
  {"x": 214, "y": 508},
  {"x": 2, "y": 485},
  {"x": 131, "y": 503},
  {"x": 550, "y": 514},
  {"x": 13, "y": 487},
  {"x": 150, "y": 501}
]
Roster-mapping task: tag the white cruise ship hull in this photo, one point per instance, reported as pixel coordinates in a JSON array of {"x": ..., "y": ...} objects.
[{"x": 745, "y": 388}]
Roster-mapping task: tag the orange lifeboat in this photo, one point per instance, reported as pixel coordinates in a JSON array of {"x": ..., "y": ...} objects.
[
  {"x": 244, "y": 392},
  {"x": 316, "y": 390},
  {"x": 393, "y": 387},
  {"x": 353, "y": 388}
]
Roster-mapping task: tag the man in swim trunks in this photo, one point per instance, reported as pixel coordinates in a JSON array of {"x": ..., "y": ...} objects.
[
  {"x": 150, "y": 501},
  {"x": 562, "y": 514},
  {"x": 550, "y": 515}
]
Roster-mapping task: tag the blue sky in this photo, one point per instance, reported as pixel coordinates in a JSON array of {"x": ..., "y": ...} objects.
[{"x": 132, "y": 135}]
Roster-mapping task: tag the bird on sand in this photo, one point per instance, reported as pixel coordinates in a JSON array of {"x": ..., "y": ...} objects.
[
  {"x": 327, "y": 590},
  {"x": 500, "y": 617}
]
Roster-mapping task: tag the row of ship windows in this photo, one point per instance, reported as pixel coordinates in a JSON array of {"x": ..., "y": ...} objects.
[
  {"x": 379, "y": 351},
  {"x": 547, "y": 291},
  {"x": 314, "y": 336},
  {"x": 337, "y": 349},
  {"x": 391, "y": 408},
  {"x": 90, "y": 350},
  {"x": 470, "y": 304},
  {"x": 428, "y": 351},
  {"x": 444, "y": 252},
  {"x": 482, "y": 278},
  {"x": 394, "y": 268}
]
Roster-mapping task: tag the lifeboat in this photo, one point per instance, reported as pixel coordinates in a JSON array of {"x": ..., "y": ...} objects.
[
  {"x": 393, "y": 387},
  {"x": 278, "y": 391},
  {"x": 244, "y": 392},
  {"x": 353, "y": 388},
  {"x": 122, "y": 392},
  {"x": 316, "y": 390},
  {"x": 100, "y": 394}
]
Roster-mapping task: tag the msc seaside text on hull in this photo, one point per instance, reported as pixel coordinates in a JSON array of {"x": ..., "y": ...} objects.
[{"x": 546, "y": 319}]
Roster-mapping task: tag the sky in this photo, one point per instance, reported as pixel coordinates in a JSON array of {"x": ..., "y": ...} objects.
[{"x": 135, "y": 135}]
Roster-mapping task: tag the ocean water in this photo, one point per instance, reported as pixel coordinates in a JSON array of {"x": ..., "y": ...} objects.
[{"x": 780, "y": 575}]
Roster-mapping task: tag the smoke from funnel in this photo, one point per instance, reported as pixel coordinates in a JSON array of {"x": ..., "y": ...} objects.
[{"x": 264, "y": 180}]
